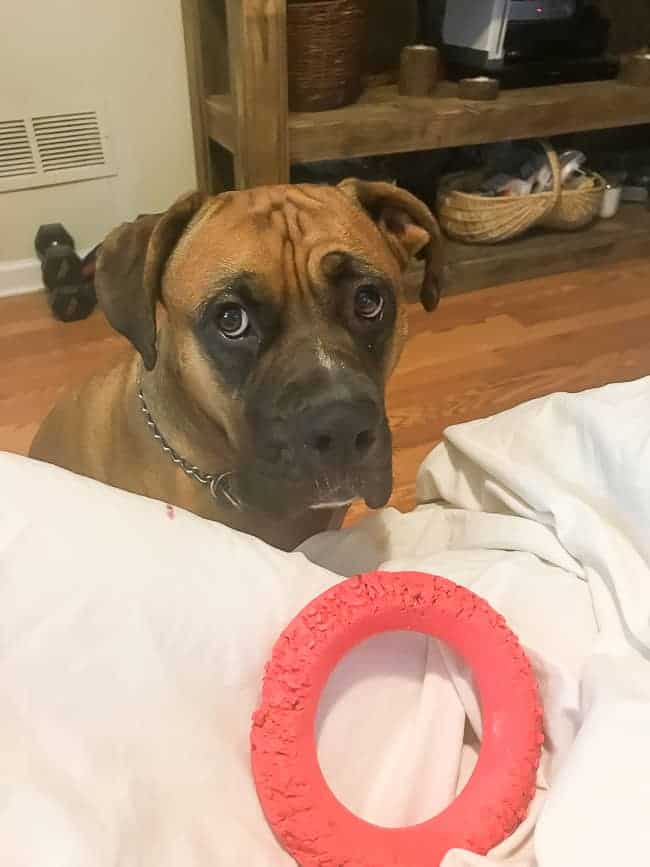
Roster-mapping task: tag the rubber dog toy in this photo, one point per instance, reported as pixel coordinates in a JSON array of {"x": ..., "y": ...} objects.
[{"x": 307, "y": 819}]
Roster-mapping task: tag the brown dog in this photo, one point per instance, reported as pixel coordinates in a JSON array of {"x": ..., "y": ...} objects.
[{"x": 266, "y": 324}]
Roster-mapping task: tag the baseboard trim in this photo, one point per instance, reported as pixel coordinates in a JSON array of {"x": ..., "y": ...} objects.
[{"x": 20, "y": 276}]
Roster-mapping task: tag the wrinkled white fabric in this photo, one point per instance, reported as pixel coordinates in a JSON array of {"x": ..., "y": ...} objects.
[{"x": 133, "y": 640}]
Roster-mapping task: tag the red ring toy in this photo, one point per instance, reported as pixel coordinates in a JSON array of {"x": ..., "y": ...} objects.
[{"x": 306, "y": 817}]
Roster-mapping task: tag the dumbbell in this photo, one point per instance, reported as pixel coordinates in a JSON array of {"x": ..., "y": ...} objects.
[{"x": 71, "y": 295}]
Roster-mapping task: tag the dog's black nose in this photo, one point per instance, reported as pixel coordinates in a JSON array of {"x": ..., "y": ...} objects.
[{"x": 339, "y": 432}]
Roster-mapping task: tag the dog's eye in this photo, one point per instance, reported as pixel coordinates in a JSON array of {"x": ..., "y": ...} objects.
[
  {"x": 368, "y": 303},
  {"x": 233, "y": 321}
]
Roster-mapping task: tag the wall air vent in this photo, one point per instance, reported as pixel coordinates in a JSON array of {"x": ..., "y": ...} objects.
[
  {"x": 44, "y": 149},
  {"x": 16, "y": 155}
]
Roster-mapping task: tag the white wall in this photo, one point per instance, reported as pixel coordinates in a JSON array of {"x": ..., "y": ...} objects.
[{"x": 70, "y": 52}]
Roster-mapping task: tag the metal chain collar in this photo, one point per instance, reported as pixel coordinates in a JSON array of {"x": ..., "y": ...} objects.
[{"x": 214, "y": 481}]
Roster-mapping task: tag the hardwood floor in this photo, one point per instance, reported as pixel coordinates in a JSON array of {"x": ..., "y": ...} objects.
[{"x": 482, "y": 352}]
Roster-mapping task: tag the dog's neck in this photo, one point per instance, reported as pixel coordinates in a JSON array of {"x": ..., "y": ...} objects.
[
  {"x": 201, "y": 442},
  {"x": 182, "y": 423}
]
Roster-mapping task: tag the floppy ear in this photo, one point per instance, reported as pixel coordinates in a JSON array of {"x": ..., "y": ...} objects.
[
  {"x": 408, "y": 226},
  {"x": 129, "y": 269}
]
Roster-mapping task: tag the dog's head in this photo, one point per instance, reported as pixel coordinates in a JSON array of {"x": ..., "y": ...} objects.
[{"x": 281, "y": 311}]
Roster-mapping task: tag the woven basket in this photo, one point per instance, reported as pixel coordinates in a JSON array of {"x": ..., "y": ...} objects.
[
  {"x": 576, "y": 208},
  {"x": 477, "y": 219},
  {"x": 326, "y": 51}
]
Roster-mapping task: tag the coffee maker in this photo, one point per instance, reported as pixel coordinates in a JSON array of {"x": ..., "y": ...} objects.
[{"x": 521, "y": 42}]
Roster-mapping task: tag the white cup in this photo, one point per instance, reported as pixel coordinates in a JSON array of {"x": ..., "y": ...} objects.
[{"x": 611, "y": 201}]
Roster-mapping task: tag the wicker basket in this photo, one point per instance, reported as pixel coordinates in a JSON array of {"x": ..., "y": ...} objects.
[
  {"x": 576, "y": 208},
  {"x": 326, "y": 50},
  {"x": 477, "y": 219}
]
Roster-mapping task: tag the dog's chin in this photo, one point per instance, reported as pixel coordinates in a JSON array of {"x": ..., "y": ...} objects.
[{"x": 282, "y": 497}]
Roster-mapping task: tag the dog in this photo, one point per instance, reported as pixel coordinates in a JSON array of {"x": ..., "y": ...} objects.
[{"x": 265, "y": 324}]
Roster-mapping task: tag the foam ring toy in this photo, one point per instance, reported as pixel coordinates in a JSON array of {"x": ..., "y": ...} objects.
[{"x": 306, "y": 817}]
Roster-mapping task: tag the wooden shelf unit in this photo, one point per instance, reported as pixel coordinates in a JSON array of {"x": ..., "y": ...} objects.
[
  {"x": 253, "y": 122},
  {"x": 384, "y": 122}
]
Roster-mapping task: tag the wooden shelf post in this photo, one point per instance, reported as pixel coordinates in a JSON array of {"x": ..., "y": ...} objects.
[
  {"x": 191, "y": 12},
  {"x": 257, "y": 48}
]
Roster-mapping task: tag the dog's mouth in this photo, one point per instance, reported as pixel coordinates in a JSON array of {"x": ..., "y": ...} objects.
[
  {"x": 281, "y": 495},
  {"x": 332, "y": 504},
  {"x": 374, "y": 488},
  {"x": 334, "y": 495}
]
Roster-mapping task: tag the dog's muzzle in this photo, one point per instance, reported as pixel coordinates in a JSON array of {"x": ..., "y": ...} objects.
[{"x": 327, "y": 436}]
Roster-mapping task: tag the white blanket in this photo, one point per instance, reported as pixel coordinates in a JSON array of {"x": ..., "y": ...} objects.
[{"x": 133, "y": 638}]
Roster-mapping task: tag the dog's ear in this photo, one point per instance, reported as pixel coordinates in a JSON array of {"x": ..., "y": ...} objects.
[
  {"x": 408, "y": 226},
  {"x": 129, "y": 270}
]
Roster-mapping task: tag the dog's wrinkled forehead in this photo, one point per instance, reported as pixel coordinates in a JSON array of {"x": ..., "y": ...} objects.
[{"x": 281, "y": 233}]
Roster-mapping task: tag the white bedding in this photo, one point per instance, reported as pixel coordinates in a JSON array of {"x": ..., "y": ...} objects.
[{"x": 133, "y": 638}]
